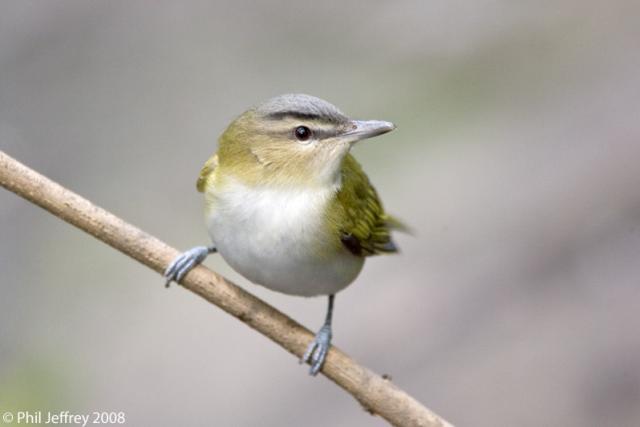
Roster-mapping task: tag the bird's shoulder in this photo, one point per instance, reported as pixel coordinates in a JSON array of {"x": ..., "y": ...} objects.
[
  {"x": 363, "y": 226},
  {"x": 207, "y": 173}
]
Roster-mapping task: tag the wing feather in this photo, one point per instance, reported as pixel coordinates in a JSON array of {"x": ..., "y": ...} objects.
[
  {"x": 206, "y": 173},
  {"x": 362, "y": 224}
]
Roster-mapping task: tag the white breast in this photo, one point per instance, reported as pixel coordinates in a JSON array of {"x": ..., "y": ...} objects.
[{"x": 275, "y": 238}]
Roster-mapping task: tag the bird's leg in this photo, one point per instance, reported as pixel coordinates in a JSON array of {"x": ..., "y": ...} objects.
[
  {"x": 184, "y": 262},
  {"x": 317, "y": 350}
]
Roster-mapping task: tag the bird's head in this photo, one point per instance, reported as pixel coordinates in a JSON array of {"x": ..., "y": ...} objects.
[{"x": 293, "y": 139}]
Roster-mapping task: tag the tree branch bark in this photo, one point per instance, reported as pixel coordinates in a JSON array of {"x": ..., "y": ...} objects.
[{"x": 378, "y": 395}]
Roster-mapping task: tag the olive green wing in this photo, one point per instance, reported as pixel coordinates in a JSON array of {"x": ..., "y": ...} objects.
[
  {"x": 364, "y": 227},
  {"x": 207, "y": 173}
]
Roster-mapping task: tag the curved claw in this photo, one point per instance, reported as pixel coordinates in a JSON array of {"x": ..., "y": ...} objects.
[
  {"x": 184, "y": 262},
  {"x": 317, "y": 351}
]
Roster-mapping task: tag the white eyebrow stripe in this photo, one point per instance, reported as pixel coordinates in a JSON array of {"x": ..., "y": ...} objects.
[{"x": 287, "y": 126}]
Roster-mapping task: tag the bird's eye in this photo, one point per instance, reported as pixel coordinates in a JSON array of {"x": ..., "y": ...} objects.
[{"x": 302, "y": 133}]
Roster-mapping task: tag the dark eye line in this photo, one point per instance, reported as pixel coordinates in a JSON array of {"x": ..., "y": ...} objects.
[
  {"x": 317, "y": 133},
  {"x": 324, "y": 133}
]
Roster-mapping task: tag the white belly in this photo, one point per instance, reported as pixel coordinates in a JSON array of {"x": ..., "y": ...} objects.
[{"x": 276, "y": 238}]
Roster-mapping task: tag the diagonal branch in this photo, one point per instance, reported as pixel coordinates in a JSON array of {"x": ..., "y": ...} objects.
[{"x": 378, "y": 395}]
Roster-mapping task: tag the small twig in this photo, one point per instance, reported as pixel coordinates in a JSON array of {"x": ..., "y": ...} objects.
[{"x": 374, "y": 392}]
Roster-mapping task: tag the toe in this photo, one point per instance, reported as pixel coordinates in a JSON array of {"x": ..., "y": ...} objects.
[
  {"x": 184, "y": 262},
  {"x": 175, "y": 265},
  {"x": 318, "y": 358},
  {"x": 184, "y": 269},
  {"x": 317, "y": 354},
  {"x": 310, "y": 350},
  {"x": 315, "y": 367},
  {"x": 168, "y": 272}
]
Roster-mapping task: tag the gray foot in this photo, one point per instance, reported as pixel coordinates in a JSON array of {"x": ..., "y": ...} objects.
[
  {"x": 317, "y": 350},
  {"x": 184, "y": 262}
]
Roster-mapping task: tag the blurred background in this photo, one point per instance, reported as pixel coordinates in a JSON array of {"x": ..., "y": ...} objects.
[{"x": 516, "y": 302}]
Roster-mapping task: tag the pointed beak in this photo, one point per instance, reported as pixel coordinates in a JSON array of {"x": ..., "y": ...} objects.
[{"x": 363, "y": 129}]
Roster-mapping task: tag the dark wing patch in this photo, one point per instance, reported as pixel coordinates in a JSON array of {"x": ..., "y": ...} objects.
[{"x": 352, "y": 243}]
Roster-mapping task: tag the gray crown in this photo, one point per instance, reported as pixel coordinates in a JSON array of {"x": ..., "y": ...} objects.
[{"x": 301, "y": 106}]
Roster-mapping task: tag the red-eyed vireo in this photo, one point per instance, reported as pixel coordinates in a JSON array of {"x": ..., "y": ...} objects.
[{"x": 288, "y": 207}]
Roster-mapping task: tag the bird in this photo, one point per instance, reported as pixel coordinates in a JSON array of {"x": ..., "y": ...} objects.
[{"x": 289, "y": 208}]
